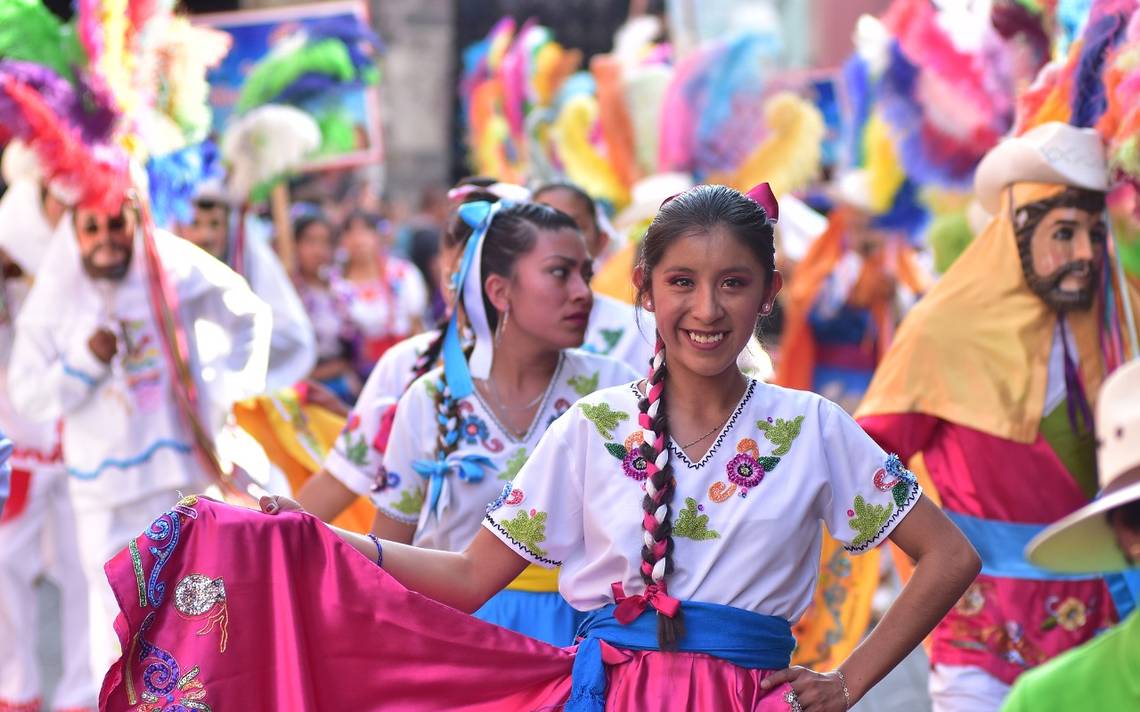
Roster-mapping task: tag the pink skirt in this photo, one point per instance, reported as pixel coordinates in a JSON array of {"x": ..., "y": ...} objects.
[{"x": 231, "y": 609}]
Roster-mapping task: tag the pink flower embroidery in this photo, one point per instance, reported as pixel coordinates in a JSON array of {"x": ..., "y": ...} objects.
[{"x": 745, "y": 471}]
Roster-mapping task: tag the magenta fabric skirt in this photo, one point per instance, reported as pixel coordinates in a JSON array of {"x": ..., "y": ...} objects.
[{"x": 225, "y": 608}]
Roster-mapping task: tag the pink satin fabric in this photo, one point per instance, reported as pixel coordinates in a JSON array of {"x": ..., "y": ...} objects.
[{"x": 313, "y": 625}]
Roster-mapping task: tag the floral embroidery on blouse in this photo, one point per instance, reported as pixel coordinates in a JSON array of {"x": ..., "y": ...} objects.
[
  {"x": 604, "y": 418},
  {"x": 746, "y": 470},
  {"x": 527, "y": 530},
  {"x": 514, "y": 464},
  {"x": 560, "y": 407},
  {"x": 584, "y": 385},
  {"x": 870, "y": 520},
  {"x": 633, "y": 464},
  {"x": 612, "y": 337},
  {"x": 411, "y": 502},
  {"x": 692, "y": 524},
  {"x": 510, "y": 496},
  {"x": 353, "y": 450},
  {"x": 781, "y": 433},
  {"x": 896, "y": 479},
  {"x": 973, "y": 600},
  {"x": 1007, "y": 641}
]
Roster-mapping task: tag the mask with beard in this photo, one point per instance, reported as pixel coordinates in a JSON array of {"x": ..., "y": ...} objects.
[{"x": 1029, "y": 218}]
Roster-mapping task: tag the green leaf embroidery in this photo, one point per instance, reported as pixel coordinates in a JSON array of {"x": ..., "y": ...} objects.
[
  {"x": 529, "y": 530},
  {"x": 781, "y": 433},
  {"x": 901, "y": 492},
  {"x": 411, "y": 502},
  {"x": 604, "y": 418},
  {"x": 768, "y": 463},
  {"x": 584, "y": 385},
  {"x": 617, "y": 450},
  {"x": 357, "y": 452},
  {"x": 691, "y": 524},
  {"x": 868, "y": 519},
  {"x": 514, "y": 464},
  {"x": 611, "y": 337},
  {"x": 431, "y": 388}
]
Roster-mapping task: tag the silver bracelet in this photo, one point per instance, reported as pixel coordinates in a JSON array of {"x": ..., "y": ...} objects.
[{"x": 846, "y": 694}]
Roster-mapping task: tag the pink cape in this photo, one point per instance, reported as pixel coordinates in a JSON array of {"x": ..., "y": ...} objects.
[{"x": 231, "y": 609}]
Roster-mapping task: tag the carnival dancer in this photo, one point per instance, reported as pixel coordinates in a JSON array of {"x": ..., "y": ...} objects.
[
  {"x": 1101, "y": 536},
  {"x": 90, "y": 349},
  {"x": 292, "y": 352},
  {"x": 989, "y": 380},
  {"x": 385, "y": 296},
  {"x": 614, "y": 329},
  {"x": 845, "y": 298},
  {"x": 37, "y": 531},
  {"x": 696, "y": 493}
]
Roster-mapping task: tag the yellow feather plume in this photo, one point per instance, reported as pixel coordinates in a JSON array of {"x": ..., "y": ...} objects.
[
  {"x": 789, "y": 157},
  {"x": 884, "y": 172}
]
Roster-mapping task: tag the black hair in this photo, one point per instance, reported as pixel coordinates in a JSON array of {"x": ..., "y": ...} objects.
[
  {"x": 303, "y": 222},
  {"x": 576, "y": 192}
]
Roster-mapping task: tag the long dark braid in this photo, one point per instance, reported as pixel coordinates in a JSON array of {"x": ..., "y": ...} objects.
[{"x": 694, "y": 212}]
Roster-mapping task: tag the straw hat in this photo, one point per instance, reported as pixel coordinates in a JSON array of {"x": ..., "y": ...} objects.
[
  {"x": 1050, "y": 153},
  {"x": 1083, "y": 542}
]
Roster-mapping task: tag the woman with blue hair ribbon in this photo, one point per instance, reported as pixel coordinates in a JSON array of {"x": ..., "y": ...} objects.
[{"x": 462, "y": 432}]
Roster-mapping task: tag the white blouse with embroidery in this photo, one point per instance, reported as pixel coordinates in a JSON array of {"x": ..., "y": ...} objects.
[
  {"x": 356, "y": 457},
  {"x": 745, "y": 517},
  {"x": 618, "y": 331},
  {"x": 486, "y": 459}
]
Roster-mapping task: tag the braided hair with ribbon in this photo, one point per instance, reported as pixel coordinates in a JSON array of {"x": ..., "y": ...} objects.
[
  {"x": 501, "y": 233},
  {"x": 750, "y": 218}
]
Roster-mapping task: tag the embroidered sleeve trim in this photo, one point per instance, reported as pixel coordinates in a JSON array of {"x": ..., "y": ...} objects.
[
  {"x": 518, "y": 545},
  {"x": 894, "y": 466},
  {"x": 396, "y": 516}
]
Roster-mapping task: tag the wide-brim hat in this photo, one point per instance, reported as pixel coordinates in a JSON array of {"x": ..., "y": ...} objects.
[
  {"x": 1083, "y": 542},
  {"x": 1050, "y": 153}
]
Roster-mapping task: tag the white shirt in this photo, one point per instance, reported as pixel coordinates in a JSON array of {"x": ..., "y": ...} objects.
[
  {"x": 123, "y": 435},
  {"x": 753, "y": 543},
  {"x": 618, "y": 331},
  {"x": 357, "y": 455},
  {"x": 462, "y": 504},
  {"x": 293, "y": 345}
]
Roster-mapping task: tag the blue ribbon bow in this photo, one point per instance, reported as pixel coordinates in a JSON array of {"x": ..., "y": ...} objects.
[{"x": 468, "y": 468}]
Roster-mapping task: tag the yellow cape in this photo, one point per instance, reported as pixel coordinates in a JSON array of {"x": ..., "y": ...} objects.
[{"x": 975, "y": 350}]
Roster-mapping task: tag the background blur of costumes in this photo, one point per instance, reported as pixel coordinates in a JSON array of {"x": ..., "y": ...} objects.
[
  {"x": 37, "y": 528},
  {"x": 845, "y": 297}
]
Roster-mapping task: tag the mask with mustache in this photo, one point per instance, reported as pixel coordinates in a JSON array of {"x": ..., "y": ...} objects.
[{"x": 1048, "y": 287}]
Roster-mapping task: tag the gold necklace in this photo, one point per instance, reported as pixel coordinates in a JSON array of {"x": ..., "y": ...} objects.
[{"x": 714, "y": 430}]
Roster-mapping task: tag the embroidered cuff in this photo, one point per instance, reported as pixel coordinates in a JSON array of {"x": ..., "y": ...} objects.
[
  {"x": 348, "y": 474},
  {"x": 873, "y": 521}
]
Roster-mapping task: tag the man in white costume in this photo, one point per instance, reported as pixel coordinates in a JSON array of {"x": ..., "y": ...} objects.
[
  {"x": 37, "y": 531},
  {"x": 293, "y": 347},
  {"x": 89, "y": 350}
]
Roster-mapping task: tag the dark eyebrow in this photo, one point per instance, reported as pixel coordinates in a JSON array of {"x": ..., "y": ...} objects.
[
  {"x": 1066, "y": 223},
  {"x": 564, "y": 258}
]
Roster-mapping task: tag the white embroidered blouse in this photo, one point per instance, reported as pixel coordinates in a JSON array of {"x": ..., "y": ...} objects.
[
  {"x": 448, "y": 506},
  {"x": 745, "y": 516}
]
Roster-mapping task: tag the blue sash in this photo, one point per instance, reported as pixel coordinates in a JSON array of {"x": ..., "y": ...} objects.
[{"x": 750, "y": 640}]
